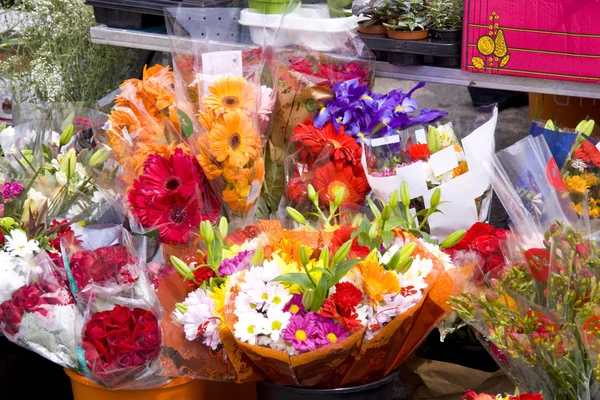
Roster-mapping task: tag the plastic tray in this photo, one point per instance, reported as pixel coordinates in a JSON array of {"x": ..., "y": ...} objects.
[
  {"x": 411, "y": 52},
  {"x": 308, "y": 25}
]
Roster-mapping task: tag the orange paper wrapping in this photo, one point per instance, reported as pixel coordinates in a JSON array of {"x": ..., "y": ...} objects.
[{"x": 194, "y": 358}]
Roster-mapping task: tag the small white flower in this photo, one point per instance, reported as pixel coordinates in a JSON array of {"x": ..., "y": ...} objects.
[
  {"x": 438, "y": 253},
  {"x": 61, "y": 178},
  {"x": 269, "y": 270},
  {"x": 278, "y": 295},
  {"x": 19, "y": 245},
  {"x": 200, "y": 320},
  {"x": 276, "y": 321},
  {"x": 249, "y": 326},
  {"x": 10, "y": 281},
  {"x": 257, "y": 291}
]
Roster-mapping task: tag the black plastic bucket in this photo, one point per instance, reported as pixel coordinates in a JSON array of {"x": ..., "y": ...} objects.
[{"x": 380, "y": 390}]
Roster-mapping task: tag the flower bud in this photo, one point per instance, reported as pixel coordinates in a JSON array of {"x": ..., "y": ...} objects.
[
  {"x": 304, "y": 259},
  {"x": 404, "y": 194},
  {"x": 207, "y": 232},
  {"x": 435, "y": 197},
  {"x": 99, "y": 157},
  {"x": 182, "y": 268},
  {"x": 312, "y": 194},
  {"x": 550, "y": 125},
  {"x": 223, "y": 227},
  {"x": 393, "y": 199},
  {"x": 69, "y": 163},
  {"x": 307, "y": 299},
  {"x": 66, "y": 135},
  {"x": 340, "y": 196},
  {"x": 342, "y": 252},
  {"x": 386, "y": 213},
  {"x": 296, "y": 215},
  {"x": 434, "y": 141},
  {"x": 258, "y": 258},
  {"x": 554, "y": 228},
  {"x": 182, "y": 307},
  {"x": 373, "y": 231},
  {"x": 453, "y": 239}
]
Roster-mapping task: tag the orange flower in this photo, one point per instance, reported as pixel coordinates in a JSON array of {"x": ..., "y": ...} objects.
[
  {"x": 234, "y": 140},
  {"x": 236, "y": 196},
  {"x": 461, "y": 169},
  {"x": 377, "y": 280},
  {"x": 328, "y": 179},
  {"x": 211, "y": 169},
  {"x": 230, "y": 94},
  {"x": 576, "y": 184}
]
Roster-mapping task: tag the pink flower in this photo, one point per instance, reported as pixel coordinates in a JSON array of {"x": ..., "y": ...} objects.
[
  {"x": 329, "y": 332},
  {"x": 301, "y": 332}
]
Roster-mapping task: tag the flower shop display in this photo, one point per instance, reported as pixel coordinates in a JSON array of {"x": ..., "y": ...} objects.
[
  {"x": 374, "y": 10},
  {"x": 446, "y": 18}
]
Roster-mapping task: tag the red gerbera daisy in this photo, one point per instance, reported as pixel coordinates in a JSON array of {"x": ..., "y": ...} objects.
[
  {"x": 174, "y": 215},
  {"x": 180, "y": 172},
  {"x": 329, "y": 179},
  {"x": 419, "y": 152},
  {"x": 343, "y": 149}
]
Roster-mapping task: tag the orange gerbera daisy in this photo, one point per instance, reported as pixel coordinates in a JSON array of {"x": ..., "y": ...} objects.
[
  {"x": 329, "y": 179},
  {"x": 230, "y": 94},
  {"x": 377, "y": 280},
  {"x": 211, "y": 169},
  {"x": 234, "y": 140},
  {"x": 207, "y": 120},
  {"x": 236, "y": 196}
]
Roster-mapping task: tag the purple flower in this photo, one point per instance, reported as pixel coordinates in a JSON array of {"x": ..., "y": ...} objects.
[
  {"x": 295, "y": 306},
  {"x": 301, "y": 332},
  {"x": 240, "y": 262},
  {"x": 329, "y": 332},
  {"x": 17, "y": 188}
]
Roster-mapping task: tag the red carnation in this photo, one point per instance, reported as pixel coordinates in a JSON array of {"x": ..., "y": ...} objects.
[
  {"x": 419, "y": 152},
  {"x": 203, "y": 274},
  {"x": 588, "y": 153},
  {"x": 346, "y": 295},
  {"x": 104, "y": 264}
]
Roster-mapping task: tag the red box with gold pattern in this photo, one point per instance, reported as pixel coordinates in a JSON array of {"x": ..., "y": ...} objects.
[{"x": 552, "y": 39}]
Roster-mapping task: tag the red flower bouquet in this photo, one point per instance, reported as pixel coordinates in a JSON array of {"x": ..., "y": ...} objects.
[
  {"x": 121, "y": 344},
  {"x": 102, "y": 265}
]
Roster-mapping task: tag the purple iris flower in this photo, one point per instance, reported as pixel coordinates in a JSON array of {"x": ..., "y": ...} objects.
[{"x": 240, "y": 262}]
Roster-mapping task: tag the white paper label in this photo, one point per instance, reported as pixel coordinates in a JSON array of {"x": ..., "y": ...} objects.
[
  {"x": 443, "y": 161},
  {"x": 421, "y": 137},
  {"x": 385, "y": 140},
  {"x": 220, "y": 63},
  {"x": 415, "y": 177}
]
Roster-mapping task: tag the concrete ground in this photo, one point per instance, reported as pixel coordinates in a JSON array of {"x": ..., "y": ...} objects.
[{"x": 513, "y": 123}]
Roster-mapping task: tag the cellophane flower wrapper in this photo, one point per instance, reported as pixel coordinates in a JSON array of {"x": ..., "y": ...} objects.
[
  {"x": 225, "y": 94},
  {"x": 37, "y": 310},
  {"x": 198, "y": 341},
  {"x": 581, "y": 174},
  {"x": 452, "y": 156},
  {"x": 559, "y": 141},
  {"x": 112, "y": 262},
  {"x": 120, "y": 341},
  {"x": 158, "y": 184},
  {"x": 312, "y": 60}
]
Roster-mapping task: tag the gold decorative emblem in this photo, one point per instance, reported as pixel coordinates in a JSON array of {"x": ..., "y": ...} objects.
[{"x": 492, "y": 43}]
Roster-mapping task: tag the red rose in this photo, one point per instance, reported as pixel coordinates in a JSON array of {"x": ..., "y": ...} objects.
[
  {"x": 485, "y": 244},
  {"x": 120, "y": 317},
  {"x": 105, "y": 264},
  {"x": 10, "y": 317},
  {"x": 130, "y": 359},
  {"x": 28, "y": 298}
]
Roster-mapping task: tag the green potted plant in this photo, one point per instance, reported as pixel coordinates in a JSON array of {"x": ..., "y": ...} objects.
[
  {"x": 375, "y": 11},
  {"x": 273, "y": 6},
  {"x": 446, "y": 18},
  {"x": 406, "y": 19}
]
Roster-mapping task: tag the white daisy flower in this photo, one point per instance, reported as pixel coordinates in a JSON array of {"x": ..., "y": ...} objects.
[
  {"x": 278, "y": 295},
  {"x": 18, "y": 244},
  {"x": 276, "y": 321},
  {"x": 248, "y": 327},
  {"x": 243, "y": 304}
]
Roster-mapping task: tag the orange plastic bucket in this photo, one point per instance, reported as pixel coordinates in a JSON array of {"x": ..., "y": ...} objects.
[{"x": 177, "y": 389}]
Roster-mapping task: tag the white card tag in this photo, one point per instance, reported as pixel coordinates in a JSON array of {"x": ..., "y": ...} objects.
[
  {"x": 220, "y": 63},
  {"x": 421, "y": 137},
  {"x": 443, "y": 161}
]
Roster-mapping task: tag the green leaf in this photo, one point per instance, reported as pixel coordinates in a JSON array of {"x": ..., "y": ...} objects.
[
  {"x": 295, "y": 278},
  {"x": 393, "y": 223},
  {"x": 320, "y": 294},
  {"x": 342, "y": 269},
  {"x": 327, "y": 271},
  {"x": 387, "y": 237},
  {"x": 374, "y": 209},
  {"x": 68, "y": 121}
]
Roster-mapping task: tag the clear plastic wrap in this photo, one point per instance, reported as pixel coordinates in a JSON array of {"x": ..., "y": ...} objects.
[
  {"x": 37, "y": 310},
  {"x": 225, "y": 95}
]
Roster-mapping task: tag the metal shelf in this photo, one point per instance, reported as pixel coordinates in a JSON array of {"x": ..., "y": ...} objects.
[{"x": 450, "y": 76}]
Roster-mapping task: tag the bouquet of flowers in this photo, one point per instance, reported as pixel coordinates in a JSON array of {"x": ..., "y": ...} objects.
[
  {"x": 537, "y": 310},
  {"x": 230, "y": 99},
  {"x": 429, "y": 157},
  {"x": 360, "y": 297}
]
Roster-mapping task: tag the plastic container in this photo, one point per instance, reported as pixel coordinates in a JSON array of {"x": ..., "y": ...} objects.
[
  {"x": 271, "y": 6},
  {"x": 180, "y": 388},
  {"x": 308, "y": 25},
  {"x": 131, "y": 14},
  {"x": 380, "y": 390}
]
